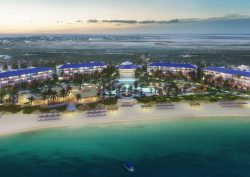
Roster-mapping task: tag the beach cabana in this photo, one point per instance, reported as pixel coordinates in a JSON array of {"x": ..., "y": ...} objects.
[
  {"x": 146, "y": 106},
  {"x": 243, "y": 104},
  {"x": 112, "y": 108},
  {"x": 194, "y": 104}
]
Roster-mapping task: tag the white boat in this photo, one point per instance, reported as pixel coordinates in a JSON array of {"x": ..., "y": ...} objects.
[{"x": 129, "y": 166}]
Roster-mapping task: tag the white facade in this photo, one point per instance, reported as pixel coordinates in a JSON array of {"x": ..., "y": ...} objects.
[
  {"x": 241, "y": 79},
  {"x": 170, "y": 67},
  {"x": 26, "y": 75},
  {"x": 127, "y": 70},
  {"x": 68, "y": 71}
]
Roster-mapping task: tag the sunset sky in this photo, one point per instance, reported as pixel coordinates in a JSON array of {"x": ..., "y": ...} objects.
[{"x": 124, "y": 16}]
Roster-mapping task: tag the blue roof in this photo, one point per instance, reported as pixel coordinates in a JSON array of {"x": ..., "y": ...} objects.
[
  {"x": 172, "y": 65},
  {"x": 23, "y": 71},
  {"x": 131, "y": 66},
  {"x": 228, "y": 71},
  {"x": 127, "y": 65},
  {"x": 82, "y": 65}
]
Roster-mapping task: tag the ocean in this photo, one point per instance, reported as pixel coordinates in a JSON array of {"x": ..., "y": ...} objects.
[{"x": 192, "y": 147}]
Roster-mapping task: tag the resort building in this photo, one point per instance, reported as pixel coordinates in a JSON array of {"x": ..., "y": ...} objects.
[
  {"x": 68, "y": 71},
  {"x": 127, "y": 69},
  {"x": 241, "y": 79},
  {"x": 24, "y": 75},
  {"x": 172, "y": 67}
]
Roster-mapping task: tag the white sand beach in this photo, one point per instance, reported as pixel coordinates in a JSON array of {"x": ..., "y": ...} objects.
[{"x": 17, "y": 123}]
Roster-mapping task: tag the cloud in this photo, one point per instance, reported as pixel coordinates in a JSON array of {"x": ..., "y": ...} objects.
[
  {"x": 227, "y": 17},
  {"x": 228, "y": 24},
  {"x": 79, "y": 21},
  {"x": 93, "y": 21},
  {"x": 146, "y": 22},
  {"x": 170, "y": 21},
  {"x": 120, "y": 21}
]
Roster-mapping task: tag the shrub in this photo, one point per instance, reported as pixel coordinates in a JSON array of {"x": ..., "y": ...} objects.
[
  {"x": 11, "y": 108},
  {"x": 110, "y": 101},
  {"x": 145, "y": 99},
  {"x": 213, "y": 99},
  {"x": 92, "y": 105},
  {"x": 30, "y": 109}
]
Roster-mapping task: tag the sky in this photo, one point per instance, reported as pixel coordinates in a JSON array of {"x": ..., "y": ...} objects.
[{"x": 124, "y": 16}]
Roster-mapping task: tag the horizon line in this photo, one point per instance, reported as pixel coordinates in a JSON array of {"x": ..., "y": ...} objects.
[{"x": 110, "y": 34}]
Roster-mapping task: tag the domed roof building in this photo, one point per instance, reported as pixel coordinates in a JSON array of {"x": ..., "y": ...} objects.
[{"x": 127, "y": 69}]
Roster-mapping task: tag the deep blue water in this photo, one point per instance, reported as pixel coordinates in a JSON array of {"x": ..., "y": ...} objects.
[{"x": 211, "y": 147}]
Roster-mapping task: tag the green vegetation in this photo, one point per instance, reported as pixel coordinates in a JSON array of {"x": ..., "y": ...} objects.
[
  {"x": 10, "y": 108},
  {"x": 30, "y": 109},
  {"x": 207, "y": 97},
  {"x": 110, "y": 101},
  {"x": 166, "y": 86},
  {"x": 44, "y": 51},
  {"x": 92, "y": 105}
]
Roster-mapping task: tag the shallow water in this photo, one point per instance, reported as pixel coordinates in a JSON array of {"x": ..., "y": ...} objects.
[{"x": 179, "y": 148}]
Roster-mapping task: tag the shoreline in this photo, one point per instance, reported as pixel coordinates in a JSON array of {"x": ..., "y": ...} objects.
[
  {"x": 11, "y": 124},
  {"x": 116, "y": 122}
]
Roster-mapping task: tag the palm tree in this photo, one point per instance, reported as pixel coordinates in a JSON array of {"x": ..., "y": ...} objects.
[
  {"x": 62, "y": 74},
  {"x": 170, "y": 75},
  {"x": 136, "y": 85},
  {"x": 238, "y": 80},
  {"x": 79, "y": 79},
  {"x": 13, "y": 94},
  {"x": 78, "y": 96},
  {"x": 124, "y": 88},
  {"x": 173, "y": 89},
  {"x": 54, "y": 78},
  {"x": 44, "y": 96},
  {"x": 181, "y": 76},
  {"x": 2, "y": 94},
  {"x": 23, "y": 85},
  {"x": 226, "y": 83},
  {"x": 231, "y": 82},
  {"x": 158, "y": 73},
  {"x": 219, "y": 80},
  {"x": 165, "y": 88},
  {"x": 68, "y": 88},
  {"x": 130, "y": 89},
  {"x": 110, "y": 90},
  {"x": 53, "y": 95},
  {"x": 31, "y": 99},
  {"x": 63, "y": 93},
  {"x": 208, "y": 78},
  {"x": 192, "y": 75},
  {"x": 118, "y": 90},
  {"x": 34, "y": 86},
  {"x": 151, "y": 90}
]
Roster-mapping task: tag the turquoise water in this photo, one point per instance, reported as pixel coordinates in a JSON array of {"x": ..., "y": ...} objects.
[{"x": 207, "y": 147}]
